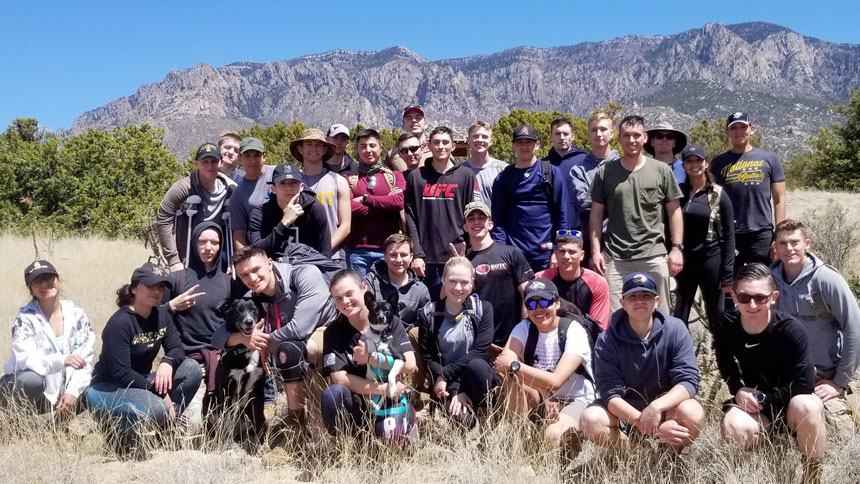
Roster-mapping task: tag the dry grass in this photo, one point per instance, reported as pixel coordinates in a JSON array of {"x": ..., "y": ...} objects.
[{"x": 32, "y": 451}]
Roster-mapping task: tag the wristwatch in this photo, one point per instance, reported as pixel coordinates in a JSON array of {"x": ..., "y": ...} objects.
[
  {"x": 515, "y": 367},
  {"x": 760, "y": 397},
  {"x": 364, "y": 198},
  {"x": 678, "y": 246}
]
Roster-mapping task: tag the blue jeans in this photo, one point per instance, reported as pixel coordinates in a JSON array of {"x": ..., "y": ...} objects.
[
  {"x": 126, "y": 407},
  {"x": 361, "y": 260},
  {"x": 24, "y": 385}
]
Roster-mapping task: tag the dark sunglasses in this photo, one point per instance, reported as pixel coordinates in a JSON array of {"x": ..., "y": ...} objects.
[
  {"x": 411, "y": 150},
  {"x": 745, "y": 298},
  {"x": 669, "y": 136},
  {"x": 533, "y": 304},
  {"x": 572, "y": 233}
]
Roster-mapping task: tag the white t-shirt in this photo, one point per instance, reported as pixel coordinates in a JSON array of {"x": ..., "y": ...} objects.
[{"x": 547, "y": 354}]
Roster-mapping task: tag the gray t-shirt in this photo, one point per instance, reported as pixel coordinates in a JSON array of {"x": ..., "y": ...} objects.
[
  {"x": 486, "y": 175},
  {"x": 248, "y": 195},
  {"x": 746, "y": 178},
  {"x": 456, "y": 337},
  {"x": 634, "y": 207}
]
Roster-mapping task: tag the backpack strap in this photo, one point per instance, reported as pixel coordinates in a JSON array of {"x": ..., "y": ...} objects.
[
  {"x": 714, "y": 193},
  {"x": 546, "y": 172},
  {"x": 531, "y": 344}
]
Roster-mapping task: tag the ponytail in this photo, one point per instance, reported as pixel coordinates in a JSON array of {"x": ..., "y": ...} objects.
[{"x": 124, "y": 296}]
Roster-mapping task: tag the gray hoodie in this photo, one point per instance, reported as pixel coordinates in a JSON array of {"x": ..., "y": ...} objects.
[
  {"x": 302, "y": 303},
  {"x": 821, "y": 299},
  {"x": 413, "y": 295}
]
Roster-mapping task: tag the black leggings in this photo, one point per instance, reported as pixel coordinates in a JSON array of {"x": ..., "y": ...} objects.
[
  {"x": 753, "y": 247},
  {"x": 701, "y": 270}
]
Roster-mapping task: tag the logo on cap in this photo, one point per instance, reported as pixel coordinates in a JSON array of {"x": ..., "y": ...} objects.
[
  {"x": 158, "y": 271},
  {"x": 524, "y": 130},
  {"x": 537, "y": 285},
  {"x": 640, "y": 279},
  {"x": 36, "y": 265},
  {"x": 737, "y": 114}
]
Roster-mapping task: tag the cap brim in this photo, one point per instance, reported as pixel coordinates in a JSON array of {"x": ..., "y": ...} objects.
[
  {"x": 539, "y": 293},
  {"x": 736, "y": 122},
  {"x": 639, "y": 289}
]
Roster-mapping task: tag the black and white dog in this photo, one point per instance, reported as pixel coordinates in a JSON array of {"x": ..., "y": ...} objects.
[
  {"x": 240, "y": 376},
  {"x": 383, "y": 315}
]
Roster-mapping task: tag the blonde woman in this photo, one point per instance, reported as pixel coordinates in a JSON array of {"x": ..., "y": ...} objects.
[{"x": 454, "y": 336}]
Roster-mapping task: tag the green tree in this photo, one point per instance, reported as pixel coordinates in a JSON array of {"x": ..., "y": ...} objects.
[
  {"x": 27, "y": 163},
  {"x": 541, "y": 120},
  {"x": 833, "y": 162},
  {"x": 111, "y": 183}
]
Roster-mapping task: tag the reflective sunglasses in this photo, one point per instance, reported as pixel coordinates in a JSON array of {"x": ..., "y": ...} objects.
[
  {"x": 572, "y": 233},
  {"x": 533, "y": 304},
  {"x": 411, "y": 150},
  {"x": 668, "y": 136},
  {"x": 745, "y": 298}
]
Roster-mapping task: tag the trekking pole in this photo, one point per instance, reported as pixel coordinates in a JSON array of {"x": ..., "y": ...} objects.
[
  {"x": 225, "y": 217},
  {"x": 190, "y": 209}
]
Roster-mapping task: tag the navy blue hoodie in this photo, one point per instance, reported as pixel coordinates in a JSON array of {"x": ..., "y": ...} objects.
[{"x": 640, "y": 371}]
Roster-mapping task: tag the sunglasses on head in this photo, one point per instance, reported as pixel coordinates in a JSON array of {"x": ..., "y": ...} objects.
[
  {"x": 571, "y": 233},
  {"x": 533, "y": 304},
  {"x": 668, "y": 136},
  {"x": 745, "y": 298},
  {"x": 411, "y": 150}
]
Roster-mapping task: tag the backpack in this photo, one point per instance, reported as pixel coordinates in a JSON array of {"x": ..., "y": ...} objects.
[
  {"x": 546, "y": 173},
  {"x": 386, "y": 173},
  {"x": 473, "y": 309},
  {"x": 298, "y": 254},
  {"x": 714, "y": 194},
  {"x": 591, "y": 327}
]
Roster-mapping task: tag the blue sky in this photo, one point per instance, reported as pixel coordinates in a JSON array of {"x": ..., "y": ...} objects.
[{"x": 63, "y": 58}]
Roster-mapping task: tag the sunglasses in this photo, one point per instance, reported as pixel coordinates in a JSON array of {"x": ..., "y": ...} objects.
[
  {"x": 411, "y": 150},
  {"x": 668, "y": 136},
  {"x": 745, "y": 298},
  {"x": 572, "y": 233},
  {"x": 533, "y": 304}
]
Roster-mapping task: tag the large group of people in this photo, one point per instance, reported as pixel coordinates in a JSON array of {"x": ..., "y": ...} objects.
[{"x": 543, "y": 287}]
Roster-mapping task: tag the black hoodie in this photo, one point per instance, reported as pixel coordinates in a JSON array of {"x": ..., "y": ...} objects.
[
  {"x": 197, "y": 323},
  {"x": 311, "y": 228}
]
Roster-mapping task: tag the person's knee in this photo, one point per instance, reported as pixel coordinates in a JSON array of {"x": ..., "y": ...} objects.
[
  {"x": 31, "y": 383},
  {"x": 740, "y": 429},
  {"x": 553, "y": 433},
  {"x": 594, "y": 422},
  {"x": 189, "y": 369},
  {"x": 691, "y": 413},
  {"x": 805, "y": 408},
  {"x": 333, "y": 397},
  {"x": 291, "y": 362}
]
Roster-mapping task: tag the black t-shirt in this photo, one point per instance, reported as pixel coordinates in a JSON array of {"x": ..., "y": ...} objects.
[
  {"x": 500, "y": 270},
  {"x": 747, "y": 178},
  {"x": 340, "y": 338},
  {"x": 776, "y": 361},
  {"x": 576, "y": 292}
]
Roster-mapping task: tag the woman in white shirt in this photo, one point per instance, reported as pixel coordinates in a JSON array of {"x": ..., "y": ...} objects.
[
  {"x": 544, "y": 381},
  {"x": 52, "y": 347}
]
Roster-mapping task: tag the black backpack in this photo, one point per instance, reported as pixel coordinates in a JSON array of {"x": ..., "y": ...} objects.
[
  {"x": 546, "y": 172},
  {"x": 591, "y": 327}
]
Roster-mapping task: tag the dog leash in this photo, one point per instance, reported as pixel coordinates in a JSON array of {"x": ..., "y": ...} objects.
[{"x": 277, "y": 320}]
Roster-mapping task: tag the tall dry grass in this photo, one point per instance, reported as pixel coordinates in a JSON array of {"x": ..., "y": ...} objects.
[{"x": 33, "y": 450}]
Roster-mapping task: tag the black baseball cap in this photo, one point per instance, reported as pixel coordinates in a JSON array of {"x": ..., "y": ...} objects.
[
  {"x": 150, "y": 274},
  {"x": 36, "y": 269},
  {"x": 738, "y": 117},
  {"x": 540, "y": 287},
  {"x": 207, "y": 150},
  {"x": 286, "y": 171},
  {"x": 525, "y": 131},
  {"x": 638, "y": 282},
  {"x": 693, "y": 150}
]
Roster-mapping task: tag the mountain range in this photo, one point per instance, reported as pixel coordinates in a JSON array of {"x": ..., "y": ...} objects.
[{"x": 784, "y": 79}]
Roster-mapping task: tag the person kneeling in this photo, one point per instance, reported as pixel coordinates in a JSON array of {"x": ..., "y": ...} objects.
[
  {"x": 646, "y": 373},
  {"x": 763, "y": 355},
  {"x": 360, "y": 348},
  {"x": 548, "y": 363}
]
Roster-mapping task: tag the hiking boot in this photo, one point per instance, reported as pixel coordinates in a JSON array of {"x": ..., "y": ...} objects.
[{"x": 812, "y": 470}]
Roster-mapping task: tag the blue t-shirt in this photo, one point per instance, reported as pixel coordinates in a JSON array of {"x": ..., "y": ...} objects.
[{"x": 747, "y": 178}]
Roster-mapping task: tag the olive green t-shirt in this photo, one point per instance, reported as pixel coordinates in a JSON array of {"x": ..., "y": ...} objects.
[{"x": 634, "y": 207}]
